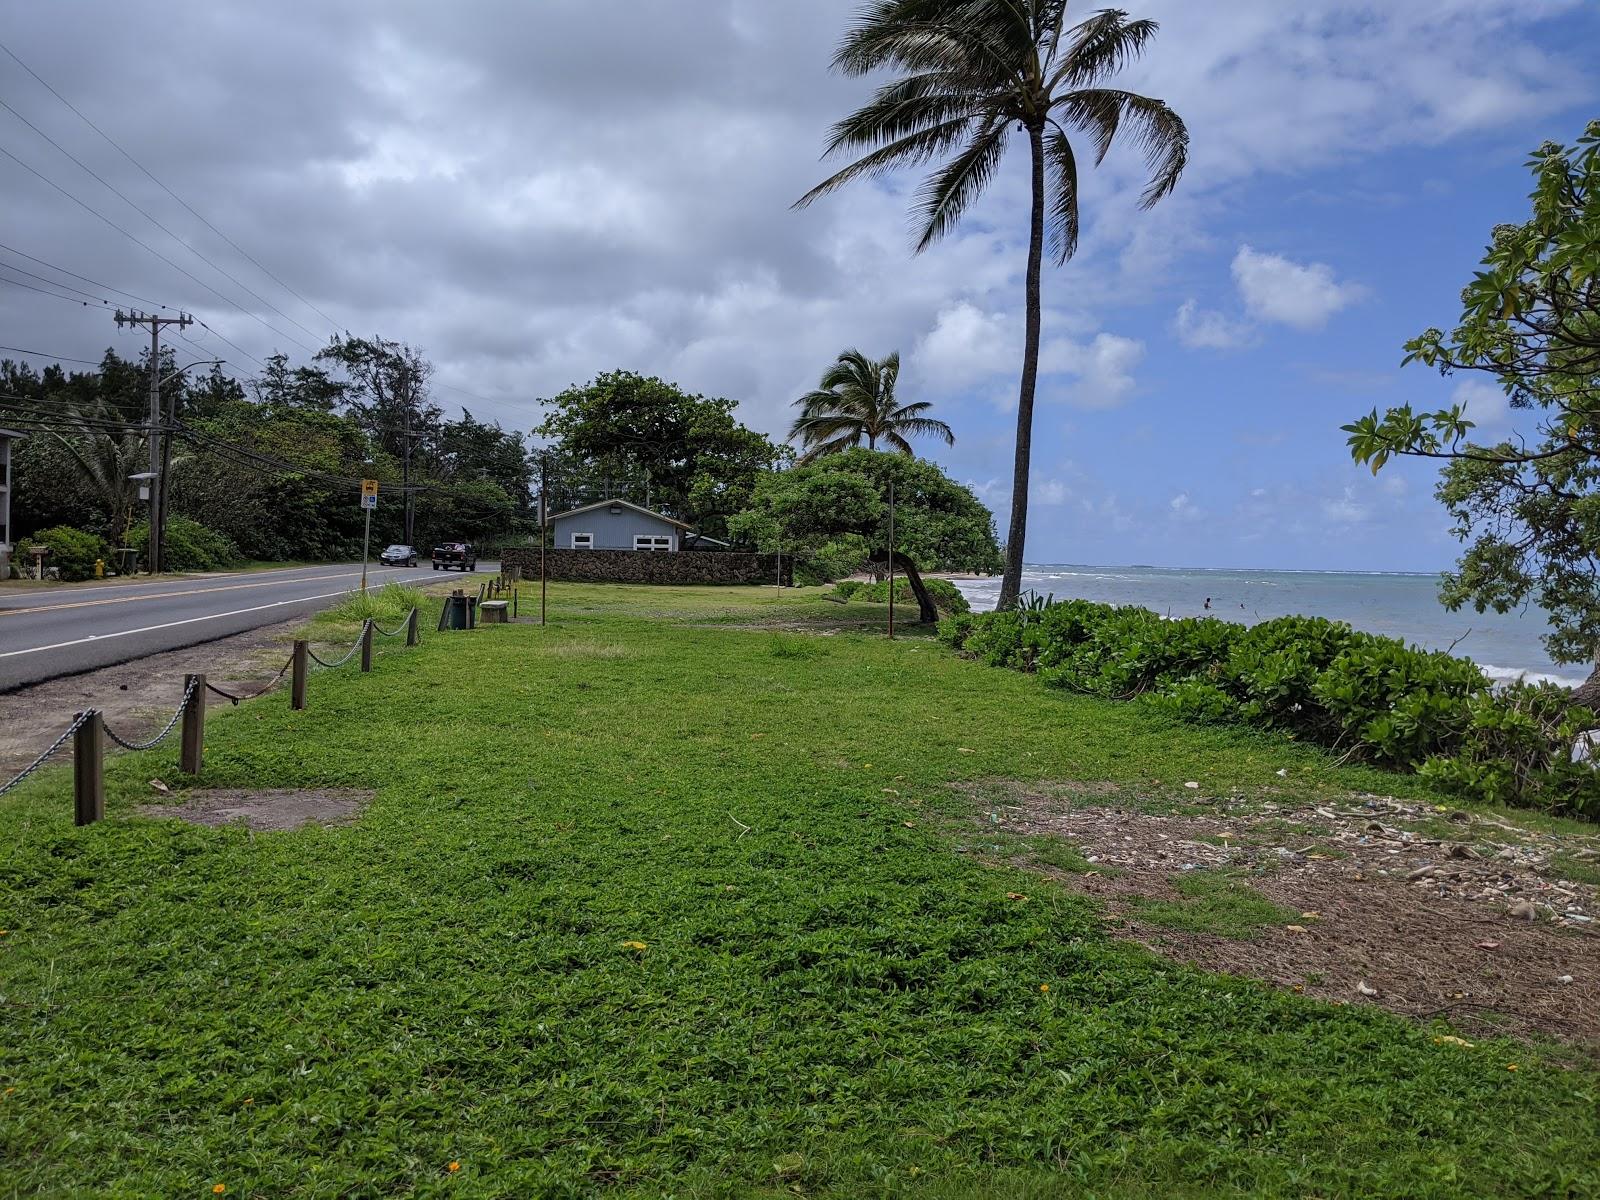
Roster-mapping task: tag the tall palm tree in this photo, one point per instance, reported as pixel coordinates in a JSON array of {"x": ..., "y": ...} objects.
[
  {"x": 855, "y": 401},
  {"x": 968, "y": 73}
]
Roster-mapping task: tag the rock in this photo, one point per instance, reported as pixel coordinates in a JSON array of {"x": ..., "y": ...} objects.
[
  {"x": 1366, "y": 989},
  {"x": 1523, "y": 910},
  {"x": 1459, "y": 817},
  {"x": 1422, "y": 872},
  {"x": 1294, "y": 928},
  {"x": 1462, "y": 850},
  {"x": 1192, "y": 785},
  {"x": 1563, "y": 980},
  {"x": 158, "y": 786}
]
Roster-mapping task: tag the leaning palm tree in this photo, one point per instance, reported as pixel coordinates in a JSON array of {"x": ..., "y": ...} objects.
[
  {"x": 855, "y": 402},
  {"x": 969, "y": 72}
]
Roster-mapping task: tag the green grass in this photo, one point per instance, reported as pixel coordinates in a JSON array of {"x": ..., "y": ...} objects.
[
  {"x": 831, "y": 1001},
  {"x": 1579, "y": 870},
  {"x": 1215, "y": 902},
  {"x": 387, "y": 605}
]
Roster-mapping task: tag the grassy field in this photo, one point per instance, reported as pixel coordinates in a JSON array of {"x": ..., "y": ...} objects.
[{"x": 661, "y": 900}]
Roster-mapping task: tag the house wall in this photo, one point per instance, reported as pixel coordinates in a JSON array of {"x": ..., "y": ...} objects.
[
  {"x": 626, "y": 566},
  {"x": 612, "y": 531}
]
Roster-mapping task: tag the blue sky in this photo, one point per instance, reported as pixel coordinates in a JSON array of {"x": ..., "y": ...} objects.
[{"x": 533, "y": 194}]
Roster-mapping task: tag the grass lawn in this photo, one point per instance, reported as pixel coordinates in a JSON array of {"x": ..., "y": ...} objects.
[{"x": 660, "y": 901}]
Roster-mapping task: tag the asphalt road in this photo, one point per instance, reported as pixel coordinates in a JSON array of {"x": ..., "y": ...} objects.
[{"x": 62, "y": 631}]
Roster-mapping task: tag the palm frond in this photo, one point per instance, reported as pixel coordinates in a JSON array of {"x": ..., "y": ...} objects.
[
  {"x": 1063, "y": 193},
  {"x": 1157, "y": 131},
  {"x": 911, "y": 150},
  {"x": 892, "y": 438},
  {"x": 1100, "y": 47},
  {"x": 925, "y": 427},
  {"x": 947, "y": 194},
  {"x": 822, "y": 449}
]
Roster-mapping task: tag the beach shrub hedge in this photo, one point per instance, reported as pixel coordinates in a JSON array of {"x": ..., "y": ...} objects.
[
  {"x": 946, "y": 597},
  {"x": 187, "y": 546},
  {"x": 1367, "y": 697},
  {"x": 72, "y": 551}
]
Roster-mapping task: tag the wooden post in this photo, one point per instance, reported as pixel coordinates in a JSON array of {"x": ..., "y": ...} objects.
[
  {"x": 297, "y": 683},
  {"x": 194, "y": 726},
  {"x": 411, "y": 628},
  {"x": 366, "y": 646},
  {"x": 88, "y": 770},
  {"x": 891, "y": 560},
  {"x": 514, "y": 597}
]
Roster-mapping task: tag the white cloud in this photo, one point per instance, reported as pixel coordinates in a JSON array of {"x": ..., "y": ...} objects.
[
  {"x": 1202, "y": 329},
  {"x": 1101, "y": 370},
  {"x": 968, "y": 346},
  {"x": 1486, "y": 405},
  {"x": 1184, "y": 509},
  {"x": 1276, "y": 289},
  {"x": 1345, "y": 509}
]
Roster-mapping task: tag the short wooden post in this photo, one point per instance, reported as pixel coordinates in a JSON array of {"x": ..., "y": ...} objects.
[
  {"x": 194, "y": 725},
  {"x": 88, "y": 769},
  {"x": 514, "y": 598},
  {"x": 411, "y": 628},
  {"x": 366, "y": 646},
  {"x": 297, "y": 680}
]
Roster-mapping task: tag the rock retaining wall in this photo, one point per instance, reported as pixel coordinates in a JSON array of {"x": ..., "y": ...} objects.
[{"x": 643, "y": 566}]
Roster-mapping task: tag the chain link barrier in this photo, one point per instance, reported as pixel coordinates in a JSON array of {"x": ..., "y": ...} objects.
[
  {"x": 397, "y": 630},
  {"x": 188, "y": 694},
  {"x": 262, "y": 691},
  {"x": 348, "y": 654},
  {"x": 45, "y": 757}
]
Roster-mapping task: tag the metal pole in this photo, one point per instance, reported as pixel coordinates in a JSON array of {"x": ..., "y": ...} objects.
[
  {"x": 891, "y": 560},
  {"x": 297, "y": 683},
  {"x": 88, "y": 770},
  {"x": 366, "y": 537},
  {"x": 544, "y": 527},
  {"x": 366, "y": 645},
  {"x": 194, "y": 725}
]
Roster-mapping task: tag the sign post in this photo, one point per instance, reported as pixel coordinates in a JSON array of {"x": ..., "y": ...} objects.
[{"x": 369, "y": 501}]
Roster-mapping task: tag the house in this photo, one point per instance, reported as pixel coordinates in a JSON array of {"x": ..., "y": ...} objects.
[{"x": 617, "y": 525}]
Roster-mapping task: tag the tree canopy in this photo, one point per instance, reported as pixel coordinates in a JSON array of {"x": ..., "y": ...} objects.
[
  {"x": 834, "y": 513},
  {"x": 649, "y": 441},
  {"x": 1527, "y": 505}
]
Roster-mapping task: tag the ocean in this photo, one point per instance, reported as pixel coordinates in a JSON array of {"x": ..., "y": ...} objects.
[{"x": 1396, "y": 605}]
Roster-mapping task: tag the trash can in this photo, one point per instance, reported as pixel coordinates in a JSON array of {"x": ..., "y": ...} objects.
[
  {"x": 127, "y": 559},
  {"x": 460, "y": 611}
]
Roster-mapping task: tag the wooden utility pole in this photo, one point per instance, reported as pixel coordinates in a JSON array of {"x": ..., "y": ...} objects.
[
  {"x": 544, "y": 525},
  {"x": 157, "y": 435}
]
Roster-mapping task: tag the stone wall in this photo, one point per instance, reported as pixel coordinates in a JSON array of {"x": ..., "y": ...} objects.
[{"x": 639, "y": 566}]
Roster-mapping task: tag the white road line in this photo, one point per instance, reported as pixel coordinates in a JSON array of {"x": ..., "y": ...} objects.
[
  {"x": 172, "y": 624},
  {"x": 148, "y": 593}
]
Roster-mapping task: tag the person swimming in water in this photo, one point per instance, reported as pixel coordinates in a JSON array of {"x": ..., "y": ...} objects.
[{"x": 1208, "y": 603}]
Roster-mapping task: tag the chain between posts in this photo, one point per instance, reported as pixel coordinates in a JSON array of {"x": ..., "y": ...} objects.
[
  {"x": 348, "y": 654},
  {"x": 61, "y": 741},
  {"x": 270, "y": 684},
  {"x": 397, "y": 630},
  {"x": 188, "y": 694}
]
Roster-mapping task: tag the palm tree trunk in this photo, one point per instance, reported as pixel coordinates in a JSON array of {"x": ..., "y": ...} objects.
[{"x": 1017, "y": 532}]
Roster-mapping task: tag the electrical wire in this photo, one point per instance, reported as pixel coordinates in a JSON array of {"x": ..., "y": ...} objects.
[
  {"x": 110, "y": 141},
  {"x": 53, "y": 295},
  {"x": 105, "y": 287},
  {"x": 44, "y": 354}
]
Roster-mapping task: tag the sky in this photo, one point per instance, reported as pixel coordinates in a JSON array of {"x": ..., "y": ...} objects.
[{"x": 534, "y": 193}]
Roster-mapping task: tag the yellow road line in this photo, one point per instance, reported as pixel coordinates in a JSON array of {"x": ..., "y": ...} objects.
[{"x": 232, "y": 587}]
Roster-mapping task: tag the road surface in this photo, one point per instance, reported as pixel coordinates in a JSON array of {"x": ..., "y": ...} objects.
[{"x": 62, "y": 631}]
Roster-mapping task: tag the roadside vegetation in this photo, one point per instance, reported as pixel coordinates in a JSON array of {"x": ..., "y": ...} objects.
[{"x": 665, "y": 898}]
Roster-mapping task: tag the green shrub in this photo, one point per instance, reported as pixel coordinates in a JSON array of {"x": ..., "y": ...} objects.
[
  {"x": 187, "y": 546},
  {"x": 1371, "y": 698},
  {"x": 73, "y": 552},
  {"x": 946, "y": 597},
  {"x": 386, "y": 605},
  {"x": 846, "y": 588}
]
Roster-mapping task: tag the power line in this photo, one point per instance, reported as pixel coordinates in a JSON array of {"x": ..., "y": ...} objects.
[
  {"x": 65, "y": 287},
  {"x": 152, "y": 250},
  {"x": 43, "y": 354},
  {"x": 53, "y": 295},
  {"x": 63, "y": 271},
  {"x": 118, "y": 148}
]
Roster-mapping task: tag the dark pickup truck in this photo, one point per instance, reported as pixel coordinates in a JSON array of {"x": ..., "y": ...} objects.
[{"x": 458, "y": 555}]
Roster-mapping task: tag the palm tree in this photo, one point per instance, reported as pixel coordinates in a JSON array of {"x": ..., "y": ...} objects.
[
  {"x": 968, "y": 73},
  {"x": 855, "y": 401}
]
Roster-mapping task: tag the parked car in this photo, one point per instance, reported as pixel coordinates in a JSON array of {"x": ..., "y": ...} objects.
[
  {"x": 459, "y": 555},
  {"x": 399, "y": 556}
]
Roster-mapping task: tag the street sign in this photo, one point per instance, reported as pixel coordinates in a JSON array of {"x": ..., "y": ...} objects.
[
  {"x": 369, "y": 500},
  {"x": 369, "y": 487}
]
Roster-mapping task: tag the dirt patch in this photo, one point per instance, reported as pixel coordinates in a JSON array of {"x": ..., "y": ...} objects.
[
  {"x": 264, "y": 810},
  {"x": 137, "y": 697},
  {"x": 1423, "y": 912}
]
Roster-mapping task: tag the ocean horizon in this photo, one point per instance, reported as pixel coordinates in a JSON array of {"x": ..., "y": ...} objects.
[{"x": 1399, "y": 604}]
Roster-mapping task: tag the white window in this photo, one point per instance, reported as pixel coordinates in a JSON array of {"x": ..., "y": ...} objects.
[
  {"x": 651, "y": 541},
  {"x": 583, "y": 541}
]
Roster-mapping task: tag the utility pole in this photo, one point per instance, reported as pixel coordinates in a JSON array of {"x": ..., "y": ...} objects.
[
  {"x": 157, "y": 435},
  {"x": 544, "y": 525},
  {"x": 891, "y": 560},
  {"x": 406, "y": 476}
]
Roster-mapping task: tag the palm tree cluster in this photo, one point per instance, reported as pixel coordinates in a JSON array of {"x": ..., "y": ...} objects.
[
  {"x": 969, "y": 73},
  {"x": 855, "y": 402}
]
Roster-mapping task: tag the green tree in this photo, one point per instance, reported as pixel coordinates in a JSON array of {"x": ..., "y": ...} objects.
[
  {"x": 855, "y": 401},
  {"x": 1528, "y": 509},
  {"x": 685, "y": 452},
  {"x": 834, "y": 514},
  {"x": 968, "y": 73}
]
